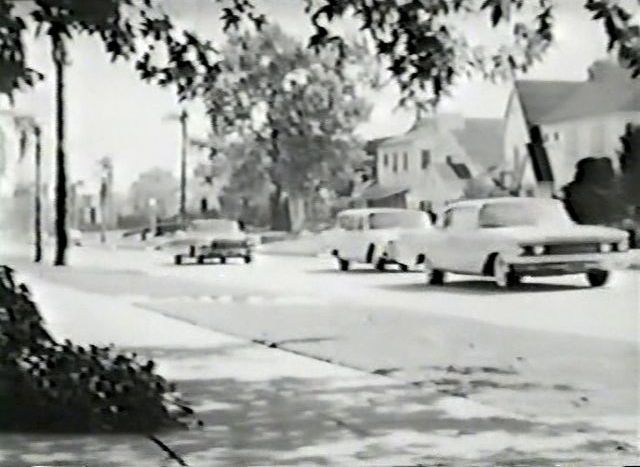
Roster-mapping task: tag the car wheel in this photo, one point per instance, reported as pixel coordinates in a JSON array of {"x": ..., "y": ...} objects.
[
  {"x": 200, "y": 259},
  {"x": 247, "y": 259},
  {"x": 503, "y": 274},
  {"x": 343, "y": 264},
  {"x": 177, "y": 259},
  {"x": 223, "y": 260},
  {"x": 381, "y": 265},
  {"x": 597, "y": 278},
  {"x": 403, "y": 267},
  {"x": 433, "y": 276}
]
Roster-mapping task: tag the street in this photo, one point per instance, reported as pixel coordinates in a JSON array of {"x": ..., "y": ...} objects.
[{"x": 553, "y": 348}]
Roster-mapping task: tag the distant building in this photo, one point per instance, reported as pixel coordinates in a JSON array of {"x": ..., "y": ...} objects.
[
  {"x": 432, "y": 163},
  {"x": 551, "y": 125}
]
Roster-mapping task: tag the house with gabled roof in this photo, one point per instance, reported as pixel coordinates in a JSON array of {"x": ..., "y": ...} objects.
[
  {"x": 432, "y": 163},
  {"x": 551, "y": 125}
]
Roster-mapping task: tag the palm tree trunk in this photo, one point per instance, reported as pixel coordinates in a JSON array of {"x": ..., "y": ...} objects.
[
  {"x": 59, "y": 58},
  {"x": 38, "y": 193},
  {"x": 103, "y": 212}
]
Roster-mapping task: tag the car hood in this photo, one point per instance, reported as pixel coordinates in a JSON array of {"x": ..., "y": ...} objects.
[{"x": 563, "y": 234}]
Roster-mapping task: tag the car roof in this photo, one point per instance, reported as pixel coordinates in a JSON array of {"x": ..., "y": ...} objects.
[
  {"x": 500, "y": 200},
  {"x": 364, "y": 211}
]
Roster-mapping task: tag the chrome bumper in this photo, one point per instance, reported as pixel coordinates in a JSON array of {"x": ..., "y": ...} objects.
[
  {"x": 568, "y": 264},
  {"x": 226, "y": 252}
]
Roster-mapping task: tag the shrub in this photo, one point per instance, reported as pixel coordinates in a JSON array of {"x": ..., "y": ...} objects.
[{"x": 61, "y": 387}]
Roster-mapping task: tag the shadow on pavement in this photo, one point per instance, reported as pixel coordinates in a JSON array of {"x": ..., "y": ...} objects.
[
  {"x": 363, "y": 270},
  {"x": 480, "y": 287},
  {"x": 252, "y": 419}
]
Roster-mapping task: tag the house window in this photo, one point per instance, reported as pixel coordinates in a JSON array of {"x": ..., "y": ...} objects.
[
  {"x": 385, "y": 160},
  {"x": 395, "y": 162},
  {"x": 405, "y": 161},
  {"x": 425, "y": 157},
  {"x": 545, "y": 137},
  {"x": 556, "y": 136}
]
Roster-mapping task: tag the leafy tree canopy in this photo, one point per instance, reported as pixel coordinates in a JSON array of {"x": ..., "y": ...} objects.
[
  {"x": 424, "y": 46},
  {"x": 134, "y": 30},
  {"x": 421, "y": 42},
  {"x": 295, "y": 111},
  {"x": 630, "y": 164}
]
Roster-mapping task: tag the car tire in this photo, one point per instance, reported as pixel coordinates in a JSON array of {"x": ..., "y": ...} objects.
[
  {"x": 343, "y": 264},
  {"x": 403, "y": 267},
  {"x": 598, "y": 277},
  {"x": 503, "y": 274},
  {"x": 200, "y": 259},
  {"x": 381, "y": 265},
  {"x": 223, "y": 260},
  {"x": 247, "y": 259},
  {"x": 433, "y": 276},
  {"x": 177, "y": 259}
]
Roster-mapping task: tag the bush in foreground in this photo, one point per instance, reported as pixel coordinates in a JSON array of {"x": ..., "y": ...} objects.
[{"x": 50, "y": 386}]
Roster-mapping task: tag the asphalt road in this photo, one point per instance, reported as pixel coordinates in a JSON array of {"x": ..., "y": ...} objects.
[{"x": 551, "y": 347}]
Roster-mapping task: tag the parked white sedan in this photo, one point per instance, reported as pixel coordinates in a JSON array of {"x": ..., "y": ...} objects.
[
  {"x": 362, "y": 235},
  {"x": 509, "y": 238}
]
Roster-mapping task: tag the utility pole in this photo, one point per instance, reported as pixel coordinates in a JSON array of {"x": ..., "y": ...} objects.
[
  {"x": 105, "y": 189},
  {"x": 183, "y": 166}
]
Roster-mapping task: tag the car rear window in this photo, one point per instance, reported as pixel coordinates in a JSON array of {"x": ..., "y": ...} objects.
[
  {"x": 215, "y": 225},
  {"x": 389, "y": 220},
  {"x": 514, "y": 214}
]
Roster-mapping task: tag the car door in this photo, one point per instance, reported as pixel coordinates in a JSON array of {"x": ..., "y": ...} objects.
[
  {"x": 360, "y": 239},
  {"x": 460, "y": 240},
  {"x": 350, "y": 237}
]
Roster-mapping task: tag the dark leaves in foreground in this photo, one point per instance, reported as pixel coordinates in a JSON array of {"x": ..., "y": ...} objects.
[
  {"x": 53, "y": 386},
  {"x": 134, "y": 30}
]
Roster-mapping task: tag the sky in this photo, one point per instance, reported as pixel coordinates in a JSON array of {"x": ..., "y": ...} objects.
[{"x": 111, "y": 113}]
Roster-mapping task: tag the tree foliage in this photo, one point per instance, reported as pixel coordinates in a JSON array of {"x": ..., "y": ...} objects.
[
  {"x": 135, "y": 30},
  {"x": 293, "y": 113},
  {"x": 54, "y": 386},
  {"x": 593, "y": 197},
  {"x": 630, "y": 164},
  {"x": 157, "y": 184},
  {"x": 424, "y": 47}
]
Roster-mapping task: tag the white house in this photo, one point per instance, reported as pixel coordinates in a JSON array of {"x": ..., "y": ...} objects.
[
  {"x": 557, "y": 123},
  {"x": 432, "y": 163}
]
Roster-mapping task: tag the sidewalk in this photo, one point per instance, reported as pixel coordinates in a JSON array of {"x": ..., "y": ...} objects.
[{"x": 264, "y": 406}]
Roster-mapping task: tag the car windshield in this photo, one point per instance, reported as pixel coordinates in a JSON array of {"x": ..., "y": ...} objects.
[
  {"x": 405, "y": 219},
  {"x": 215, "y": 225},
  {"x": 512, "y": 214}
]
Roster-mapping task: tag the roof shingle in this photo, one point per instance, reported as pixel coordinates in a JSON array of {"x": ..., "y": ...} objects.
[
  {"x": 541, "y": 98},
  {"x": 482, "y": 140}
]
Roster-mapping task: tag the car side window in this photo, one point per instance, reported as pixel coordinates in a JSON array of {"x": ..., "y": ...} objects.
[
  {"x": 461, "y": 218},
  {"x": 350, "y": 222}
]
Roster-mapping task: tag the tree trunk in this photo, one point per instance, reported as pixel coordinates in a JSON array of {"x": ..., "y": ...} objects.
[
  {"x": 278, "y": 207},
  {"x": 297, "y": 212},
  {"x": 103, "y": 212},
  {"x": 183, "y": 166},
  {"x": 38, "y": 203},
  {"x": 59, "y": 57}
]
